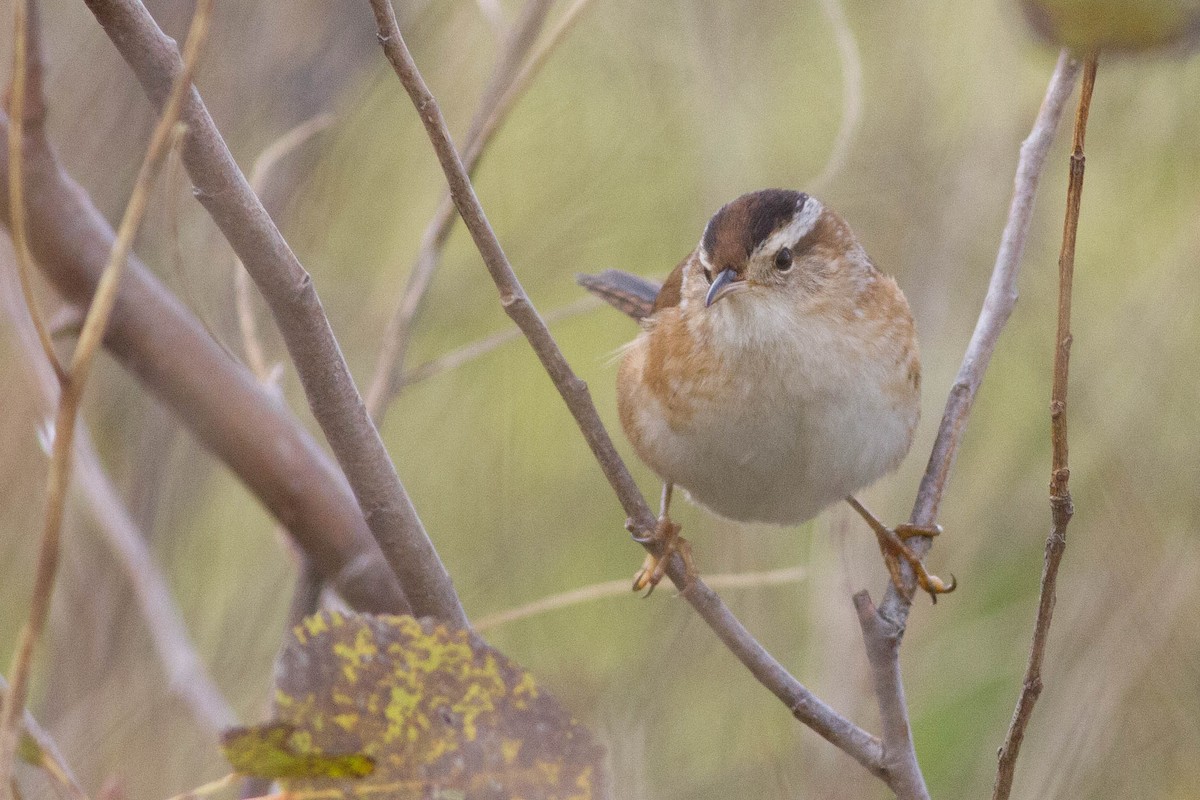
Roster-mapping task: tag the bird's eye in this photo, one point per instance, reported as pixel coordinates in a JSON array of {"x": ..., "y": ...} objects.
[
  {"x": 708, "y": 275},
  {"x": 783, "y": 259}
]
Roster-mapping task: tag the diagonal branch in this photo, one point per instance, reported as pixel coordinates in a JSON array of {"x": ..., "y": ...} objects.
[
  {"x": 288, "y": 289},
  {"x": 804, "y": 705},
  {"x": 1061, "y": 506}
]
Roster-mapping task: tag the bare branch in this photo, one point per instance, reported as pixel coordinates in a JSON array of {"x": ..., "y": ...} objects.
[
  {"x": 167, "y": 349},
  {"x": 882, "y": 642},
  {"x": 27, "y": 74},
  {"x": 507, "y": 86},
  {"x": 804, "y": 705},
  {"x": 73, "y": 384},
  {"x": 289, "y": 291},
  {"x": 1061, "y": 506}
]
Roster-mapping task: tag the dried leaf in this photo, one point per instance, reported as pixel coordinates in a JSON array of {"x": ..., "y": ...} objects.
[{"x": 441, "y": 715}]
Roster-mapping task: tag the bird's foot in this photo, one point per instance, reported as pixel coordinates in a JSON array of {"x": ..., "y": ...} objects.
[
  {"x": 666, "y": 536},
  {"x": 894, "y": 549},
  {"x": 892, "y": 544}
]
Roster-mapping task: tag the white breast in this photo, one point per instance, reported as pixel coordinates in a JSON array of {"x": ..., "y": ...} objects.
[{"x": 804, "y": 419}]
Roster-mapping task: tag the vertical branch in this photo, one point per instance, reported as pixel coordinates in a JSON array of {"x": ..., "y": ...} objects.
[
  {"x": 72, "y": 393},
  {"x": 26, "y": 50},
  {"x": 1061, "y": 507}
]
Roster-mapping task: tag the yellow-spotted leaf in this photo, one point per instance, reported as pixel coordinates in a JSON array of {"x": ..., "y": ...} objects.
[
  {"x": 1122, "y": 25},
  {"x": 437, "y": 711}
]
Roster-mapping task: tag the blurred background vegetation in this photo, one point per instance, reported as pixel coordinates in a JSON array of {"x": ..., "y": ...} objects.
[{"x": 646, "y": 119}]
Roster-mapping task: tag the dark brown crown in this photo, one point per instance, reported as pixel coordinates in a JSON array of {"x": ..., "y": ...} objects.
[{"x": 743, "y": 224}]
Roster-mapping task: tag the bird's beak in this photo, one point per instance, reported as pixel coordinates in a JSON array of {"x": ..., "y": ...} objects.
[{"x": 726, "y": 283}]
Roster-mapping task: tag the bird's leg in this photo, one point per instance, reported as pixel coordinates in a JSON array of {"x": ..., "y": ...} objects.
[
  {"x": 666, "y": 534},
  {"x": 891, "y": 542}
]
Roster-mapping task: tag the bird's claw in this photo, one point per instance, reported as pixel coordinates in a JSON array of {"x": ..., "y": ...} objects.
[{"x": 666, "y": 534}]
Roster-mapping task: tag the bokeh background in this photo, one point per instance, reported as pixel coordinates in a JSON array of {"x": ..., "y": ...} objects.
[{"x": 647, "y": 118}]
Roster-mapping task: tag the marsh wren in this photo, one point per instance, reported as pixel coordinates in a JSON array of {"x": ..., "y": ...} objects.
[{"x": 776, "y": 373}]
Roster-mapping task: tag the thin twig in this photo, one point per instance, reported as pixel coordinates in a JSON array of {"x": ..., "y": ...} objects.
[
  {"x": 804, "y": 705},
  {"x": 997, "y": 307},
  {"x": 50, "y": 757},
  {"x": 288, "y": 289},
  {"x": 474, "y": 350},
  {"x": 27, "y": 51},
  {"x": 506, "y": 88},
  {"x": 72, "y": 393},
  {"x": 266, "y": 161},
  {"x": 851, "y": 94},
  {"x": 620, "y": 588},
  {"x": 1061, "y": 506},
  {"x": 883, "y": 627}
]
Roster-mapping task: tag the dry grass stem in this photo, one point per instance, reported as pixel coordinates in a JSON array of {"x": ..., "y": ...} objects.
[
  {"x": 26, "y": 49},
  {"x": 1061, "y": 506},
  {"x": 620, "y": 588},
  {"x": 186, "y": 673},
  {"x": 73, "y": 384},
  {"x": 803, "y": 704}
]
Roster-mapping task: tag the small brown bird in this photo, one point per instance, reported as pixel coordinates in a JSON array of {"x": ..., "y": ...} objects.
[{"x": 776, "y": 373}]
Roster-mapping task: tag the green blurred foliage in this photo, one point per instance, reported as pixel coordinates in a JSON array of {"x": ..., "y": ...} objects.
[{"x": 648, "y": 118}]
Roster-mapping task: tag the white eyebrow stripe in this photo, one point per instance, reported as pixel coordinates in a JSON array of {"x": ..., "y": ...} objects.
[{"x": 799, "y": 227}]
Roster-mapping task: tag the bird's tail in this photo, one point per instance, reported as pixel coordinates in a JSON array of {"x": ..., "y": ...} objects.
[{"x": 624, "y": 291}]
